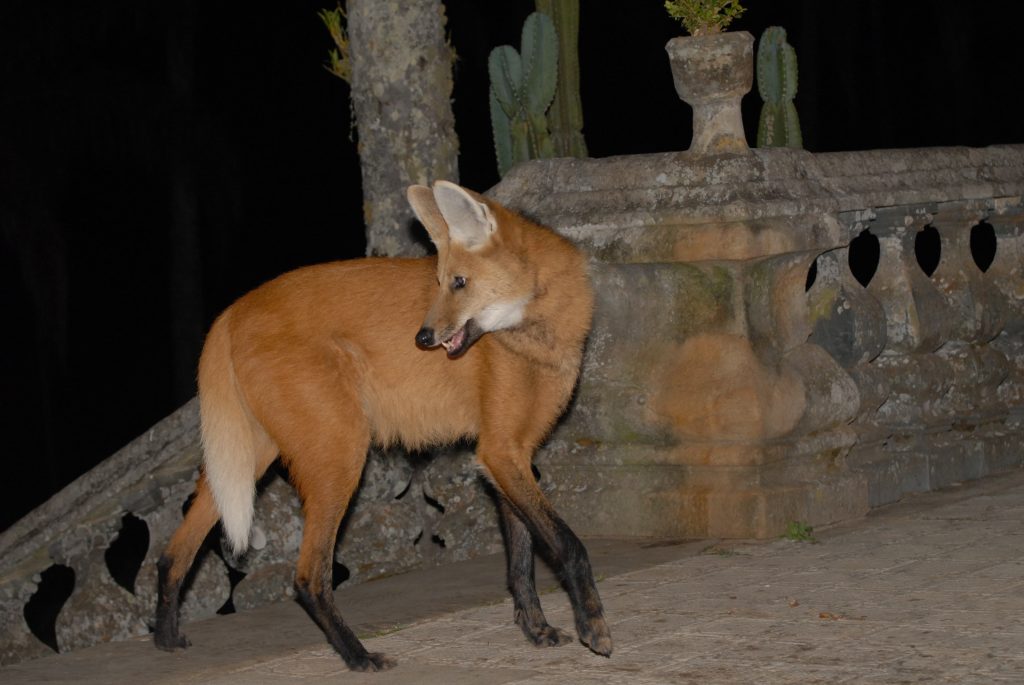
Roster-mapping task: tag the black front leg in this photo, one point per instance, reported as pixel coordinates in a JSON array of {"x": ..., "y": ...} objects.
[
  {"x": 521, "y": 581},
  {"x": 509, "y": 471}
]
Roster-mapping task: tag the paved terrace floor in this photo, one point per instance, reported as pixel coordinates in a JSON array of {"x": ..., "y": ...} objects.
[{"x": 930, "y": 590}]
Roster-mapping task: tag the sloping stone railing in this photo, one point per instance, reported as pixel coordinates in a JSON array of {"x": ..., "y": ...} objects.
[{"x": 779, "y": 336}]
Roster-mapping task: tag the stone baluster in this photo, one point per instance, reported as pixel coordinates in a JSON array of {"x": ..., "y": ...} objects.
[
  {"x": 980, "y": 313},
  {"x": 917, "y": 316},
  {"x": 1006, "y": 273},
  {"x": 849, "y": 322},
  {"x": 978, "y": 309},
  {"x": 18, "y": 643}
]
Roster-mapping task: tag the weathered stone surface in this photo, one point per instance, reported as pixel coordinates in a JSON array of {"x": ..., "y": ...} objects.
[
  {"x": 919, "y": 319},
  {"x": 980, "y": 311},
  {"x": 468, "y": 526},
  {"x": 379, "y": 533},
  {"x": 978, "y": 371},
  {"x": 714, "y": 387},
  {"x": 776, "y": 311},
  {"x": 1005, "y": 272},
  {"x": 847, "y": 322},
  {"x": 639, "y": 208},
  {"x": 890, "y": 473},
  {"x": 888, "y": 178},
  {"x": 1011, "y": 390},
  {"x": 18, "y": 643},
  {"x": 276, "y": 529},
  {"x": 633, "y": 489},
  {"x": 918, "y": 385},
  {"x": 98, "y": 607},
  {"x": 644, "y": 311},
  {"x": 702, "y": 489},
  {"x": 831, "y": 397},
  {"x": 380, "y": 538},
  {"x": 273, "y": 581}
]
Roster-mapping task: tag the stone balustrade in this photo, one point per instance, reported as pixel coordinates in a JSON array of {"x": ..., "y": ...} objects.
[
  {"x": 779, "y": 336},
  {"x": 794, "y": 337}
]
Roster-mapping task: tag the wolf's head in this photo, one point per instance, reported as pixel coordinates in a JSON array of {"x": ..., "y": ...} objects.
[{"x": 483, "y": 284}]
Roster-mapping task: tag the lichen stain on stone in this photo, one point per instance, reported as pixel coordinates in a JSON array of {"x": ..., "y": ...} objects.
[
  {"x": 713, "y": 387},
  {"x": 820, "y": 304},
  {"x": 703, "y": 298}
]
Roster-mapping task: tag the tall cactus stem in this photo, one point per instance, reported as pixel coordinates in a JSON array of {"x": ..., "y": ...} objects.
[
  {"x": 565, "y": 118},
  {"x": 779, "y": 124},
  {"x": 523, "y": 86},
  {"x": 501, "y": 126}
]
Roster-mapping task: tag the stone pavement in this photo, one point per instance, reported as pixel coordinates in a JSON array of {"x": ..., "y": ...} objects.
[{"x": 930, "y": 590}]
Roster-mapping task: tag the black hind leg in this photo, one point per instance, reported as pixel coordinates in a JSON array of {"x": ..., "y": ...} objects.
[
  {"x": 174, "y": 565},
  {"x": 326, "y": 484}
]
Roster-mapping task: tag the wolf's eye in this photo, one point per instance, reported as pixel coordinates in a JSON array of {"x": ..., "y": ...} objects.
[{"x": 458, "y": 283}]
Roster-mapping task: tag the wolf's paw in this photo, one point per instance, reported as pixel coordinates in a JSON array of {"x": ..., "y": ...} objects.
[
  {"x": 372, "y": 662},
  {"x": 171, "y": 643},
  {"x": 548, "y": 636},
  {"x": 594, "y": 633}
]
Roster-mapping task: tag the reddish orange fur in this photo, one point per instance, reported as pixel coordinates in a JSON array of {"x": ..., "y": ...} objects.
[{"x": 322, "y": 360}]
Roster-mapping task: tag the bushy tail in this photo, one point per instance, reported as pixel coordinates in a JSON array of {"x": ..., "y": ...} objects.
[{"x": 229, "y": 449}]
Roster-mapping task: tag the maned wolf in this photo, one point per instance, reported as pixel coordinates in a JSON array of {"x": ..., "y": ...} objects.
[{"x": 321, "y": 361}]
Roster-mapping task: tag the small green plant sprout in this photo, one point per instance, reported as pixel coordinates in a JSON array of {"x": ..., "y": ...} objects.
[
  {"x": 799, "y": 532},
  {"x": 719, "y": 551},
  {"x": 703, "y": 17},
  {"x": 340, "y": 63}
]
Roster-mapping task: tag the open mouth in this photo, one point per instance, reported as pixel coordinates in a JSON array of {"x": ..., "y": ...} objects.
[{"x": 458, "y": 342}]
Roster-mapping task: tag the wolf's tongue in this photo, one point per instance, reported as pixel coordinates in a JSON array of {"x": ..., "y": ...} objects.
[{"x": 457, "y": 339}]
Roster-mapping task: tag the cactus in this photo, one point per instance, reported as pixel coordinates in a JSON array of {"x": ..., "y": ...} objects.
[
  {"x": 776, "y": 82},
  {"x": 522, "y": 88},
  {"x": 565, "y": 118}
]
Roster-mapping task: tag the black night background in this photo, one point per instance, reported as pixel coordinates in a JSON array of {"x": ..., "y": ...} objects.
[{"x": 157, "y": 160}]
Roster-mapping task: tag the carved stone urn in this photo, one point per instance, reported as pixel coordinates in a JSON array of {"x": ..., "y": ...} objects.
[{"x": 712, "y": 73}]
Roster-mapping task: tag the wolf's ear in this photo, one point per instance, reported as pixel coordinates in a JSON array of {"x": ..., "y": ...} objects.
[
  {"x": 470, "y": 221},
  {"x": 421, "y": 199}
]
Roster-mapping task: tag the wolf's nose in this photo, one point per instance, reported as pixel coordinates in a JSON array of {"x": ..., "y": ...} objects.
[{"x": 425, "y": 337}]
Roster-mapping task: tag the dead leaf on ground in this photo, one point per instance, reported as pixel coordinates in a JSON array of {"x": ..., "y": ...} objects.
[{"x": 829, "y": 616}]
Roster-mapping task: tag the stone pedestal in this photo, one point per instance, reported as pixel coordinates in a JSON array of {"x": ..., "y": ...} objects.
[{"x": 712, "y": 73}]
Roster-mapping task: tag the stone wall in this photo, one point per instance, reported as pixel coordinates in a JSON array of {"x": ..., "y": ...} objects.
[{"x": 740, "y": 375}]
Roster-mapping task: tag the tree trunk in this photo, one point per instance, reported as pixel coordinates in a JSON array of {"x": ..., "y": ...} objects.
[{"x": 401, "y": 95}]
